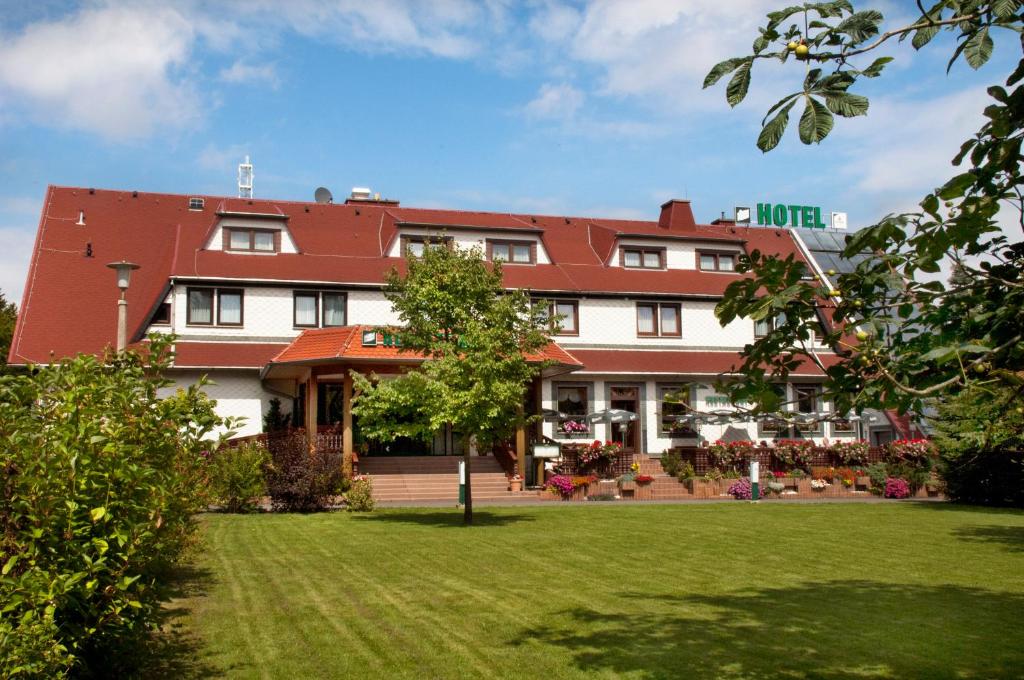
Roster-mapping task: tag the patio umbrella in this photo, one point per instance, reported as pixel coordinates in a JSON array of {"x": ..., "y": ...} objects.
[
  {"x": 612, "y": 415},
  {"x": 550, "y": 414}
]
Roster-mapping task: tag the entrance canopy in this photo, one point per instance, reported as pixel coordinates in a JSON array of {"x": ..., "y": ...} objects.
[{"x": 375, "y": 349}]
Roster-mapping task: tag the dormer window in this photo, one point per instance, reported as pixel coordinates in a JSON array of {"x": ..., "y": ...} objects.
[
  {"x": 245, "y": 240},
  {"x": 515, "y": 252},
  {"x": 717, "y": 261},
  {"x": 415, "y": 245},
  {"x": 642, "y": 258}
]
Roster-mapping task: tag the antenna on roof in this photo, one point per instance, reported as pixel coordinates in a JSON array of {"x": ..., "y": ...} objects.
[
  {"x": 323, "y": 195},
  {"x": 245, "y": 176}
]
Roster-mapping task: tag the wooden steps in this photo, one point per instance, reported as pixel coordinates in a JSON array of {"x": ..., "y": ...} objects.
[{"x": 434, "y": 478}]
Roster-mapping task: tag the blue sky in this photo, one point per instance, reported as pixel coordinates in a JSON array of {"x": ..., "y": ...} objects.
[{"x": 584, "y": 108}]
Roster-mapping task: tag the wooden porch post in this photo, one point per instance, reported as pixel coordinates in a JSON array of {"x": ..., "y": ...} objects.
[
  {"x": 346, "y": 426},
  {"x": 311, "y": 408},
  {"x": 521, "y": 451}
]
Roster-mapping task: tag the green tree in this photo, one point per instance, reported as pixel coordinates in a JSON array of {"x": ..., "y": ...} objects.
[
  {"x": 902, "y": 338},
  {"x": 980, "y": 437},
  {"x": 476, "y": 337},
  {"x": 8, "y": 315}
]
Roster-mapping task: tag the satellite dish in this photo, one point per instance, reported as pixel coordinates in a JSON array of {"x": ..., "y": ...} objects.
[{"x": 323, "y": 195}]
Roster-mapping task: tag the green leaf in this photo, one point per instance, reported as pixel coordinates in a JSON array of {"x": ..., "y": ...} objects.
[
  {"x": 96, "y": 514},
  {"x": 978, "y": 48},
  {"x": 847, "y": 105},
  {"x": 1004, "y": 9},
  {"x": 875, "y": 69},
  {"x": 860, "y": 26},
  {"x": 736, "y": 90},
  {"x": 10, "y": 564},
  {"x": 772, "y": 131},
  {"x": 923, "y": 36},
  {"x": 956, "y": 187},
  {"x": 720, "y": 69},
  {"x": 816, "y": 122}
]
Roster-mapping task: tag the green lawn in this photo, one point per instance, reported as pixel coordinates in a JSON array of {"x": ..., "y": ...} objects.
[{"x": 702, "y": 591}]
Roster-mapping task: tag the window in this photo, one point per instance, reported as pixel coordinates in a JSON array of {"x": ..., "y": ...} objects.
[
  {"x": 312, "y": 309},
  {"x": 774, "y": 428},
  {"x": 763, "y": 327},
  {"x": 163, "y": 313},
  {"x": 642, "y": 258},
  {"x": 807, "y": 403},
  {"x": 717, "y": 262},
  {"x": 196, "y": 203},
  {"x": 252, "y": 240},
  {"x": 229, "y": 307},
  {"x": 567, "y": 313},
  {"x": 571, "y": 403},
  {"x": 202, "y": 301},
  {"x": 200, "y": 306},
  {"x": 654, "y": 319},
  {"x": 306, "y": 306},
  {"x": 672, "y": 402},
  {"x": 334, "y": 309},
  {"x": 516, "y": 252},
  {"x": 415, "y": 245},
  {"x": 842, "y": 426}
]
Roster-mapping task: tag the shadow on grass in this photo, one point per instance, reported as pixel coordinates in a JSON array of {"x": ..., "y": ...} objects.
[
  {"x": 1010, "y": 537},
  {"x": 841, "y": 630},
  {"x": 448, "y": 518},
  {"x": 962, "y": 507},
  {"x": 173, "y": 651}
]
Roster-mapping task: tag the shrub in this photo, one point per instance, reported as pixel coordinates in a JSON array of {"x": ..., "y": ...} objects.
[
  {"x": 237, "y": 478},
  {"x": 686, "y": 472},
  {"x": 878, "y": 472},
  {"x": 916, "y": 452},
  {"x": 896, "y": 488},
  {"x": 299, "y": 480},
  {"x": 671, "y": 463},
  {"x": 776, "y": 487},
  {"x": 95, "y": 506},
  {"x": 741, "y": 490},
  {"x": 980, "y": 439},
  {"x": 560, "y": 484},
  {"x": 360, "y": 495},
  {"x": 794, "y": 452},
  {"x": 731, "y": 454},
  {"x": 275, "y": 420},
  {"x": 850, "y": 453}
]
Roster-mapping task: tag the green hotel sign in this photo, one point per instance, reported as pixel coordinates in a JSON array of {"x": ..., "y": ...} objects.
[{"x": 782, "y": 215}]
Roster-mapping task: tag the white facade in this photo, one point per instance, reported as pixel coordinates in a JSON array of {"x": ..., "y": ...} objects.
[{"x": 604, "y": 323}]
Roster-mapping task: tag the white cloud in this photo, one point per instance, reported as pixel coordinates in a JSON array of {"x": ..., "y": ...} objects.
[
  {"x": 443, "y": 28},
  {"x": 111, "y": 70},
  {"x": 14, "y": 257},
  {"x": 553, "y": 101},
  {"x": 907, "y": 145},
  {"x": 554, "y": 21},
  {"x": 242, "y": 72}
]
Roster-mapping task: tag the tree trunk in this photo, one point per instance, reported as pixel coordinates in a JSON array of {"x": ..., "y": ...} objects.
[{"x": 467, "y": 516}]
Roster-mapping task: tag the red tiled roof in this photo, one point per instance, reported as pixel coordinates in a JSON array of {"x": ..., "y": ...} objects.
[
  {"x": 69, "y": 305},
  {"x": 224, "y": 354},
  {"x": 682, "y": 362},
  {"x": 324, "y": 344}
]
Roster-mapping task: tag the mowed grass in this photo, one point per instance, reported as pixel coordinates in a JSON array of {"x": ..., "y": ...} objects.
[{"x": 701, "y": 591}]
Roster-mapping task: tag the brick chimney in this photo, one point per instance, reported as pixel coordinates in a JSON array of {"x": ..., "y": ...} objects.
[{"x": 676, "y": 215}]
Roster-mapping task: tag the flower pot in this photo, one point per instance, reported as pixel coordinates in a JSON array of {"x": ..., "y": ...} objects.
[
  {"x": 628, "y": 486},
  {"x": 515, "y": 485},
  {"x": 864, "y": 481}
]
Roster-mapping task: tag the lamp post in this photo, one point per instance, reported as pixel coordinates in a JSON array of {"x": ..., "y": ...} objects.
[{"x": 124, "y": 274}]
